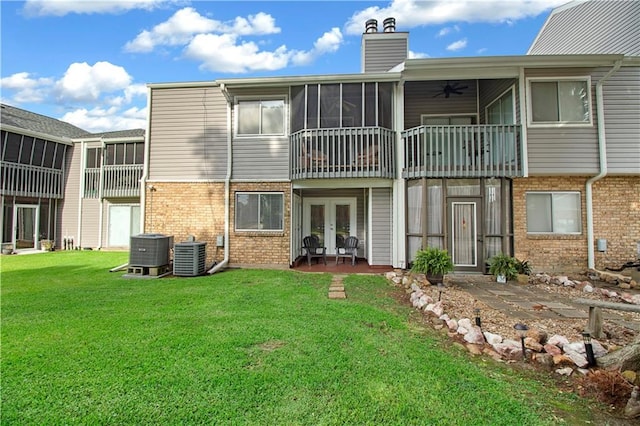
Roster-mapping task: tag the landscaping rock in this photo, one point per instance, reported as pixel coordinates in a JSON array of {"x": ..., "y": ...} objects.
[
  {"x": 532, "y": 344},
  {"x": 558, "y": 340},
  {"x": 552, "y": 350},
  {"x": 474, "y": 336},
  {"x": 509, "y": 349},
  {"x": 492, "y": 339},
  {"x": 537, "y": 335},
  {"x": 566, "y": 371},
  {"x": 543, "y": 359},
  {"x": 577, "y": 358},
  {"x": 474, "y": 349}
]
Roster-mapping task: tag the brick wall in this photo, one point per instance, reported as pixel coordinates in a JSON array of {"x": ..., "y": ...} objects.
[
  {"x": 182, "y": 209},
  {"x": 616, "y": 202}
]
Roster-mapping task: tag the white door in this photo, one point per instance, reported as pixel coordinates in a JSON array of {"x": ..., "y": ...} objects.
[
  {"x": 330, "y": 219},
  {"x": 124, "y": 221},
  {"x": 465, "y": 244},
  {"x": 25, "y": 226}
]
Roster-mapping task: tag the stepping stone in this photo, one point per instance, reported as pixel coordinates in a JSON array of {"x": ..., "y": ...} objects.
[
  {"x": 501, "y": 293},
  {"x": 571, "y": 313},
  {"x": 337, "y": 295}
]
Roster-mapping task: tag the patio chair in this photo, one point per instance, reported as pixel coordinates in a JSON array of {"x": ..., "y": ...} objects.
[
  {"x": 311, "y": 244},
  {"x": 350, "y": 249}
]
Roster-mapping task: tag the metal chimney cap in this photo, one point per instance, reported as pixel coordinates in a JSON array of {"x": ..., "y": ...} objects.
[
  {"x": 389, "y": 25},
  {"x": 371, "y": 26}
]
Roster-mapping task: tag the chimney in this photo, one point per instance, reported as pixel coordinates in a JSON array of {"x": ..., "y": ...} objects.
[
  {"x": 389, "y": 25},
  {"x": 371, "y": 26}
]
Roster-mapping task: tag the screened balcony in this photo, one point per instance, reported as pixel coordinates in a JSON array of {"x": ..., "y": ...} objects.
[
  {"x": 366, "y": 152},
  {"x": 118, "y": 181},
  {"x": 24, "y": 180},
  {"x": 462, "y": 151}
]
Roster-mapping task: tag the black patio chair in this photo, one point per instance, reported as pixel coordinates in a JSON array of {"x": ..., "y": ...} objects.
[
  {"x": 350, "y": 249},
  {"x": 311, "y": 244}
]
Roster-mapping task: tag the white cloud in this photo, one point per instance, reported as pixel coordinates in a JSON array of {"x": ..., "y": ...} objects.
[
  {"x": 186, "y": 23},
  {"x": 65, "y": 7},
  {"x": 413, "y": 13},
  {"x": 448, "y": 30},
  {"x": 26, "y": 89},
  {"x": 84, "y": 82},
  {"x": 97, "y": 119},
  {"x": 417, "y": 55},
  {"x": 457, "y": 45}
]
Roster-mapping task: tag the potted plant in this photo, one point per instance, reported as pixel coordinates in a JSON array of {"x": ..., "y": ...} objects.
[
  {"x": 7, "y": 248},
  {"x": 503, "y": 267},
  {"x": 47, "y": 245},
  {"x": 433, "y": 262}
]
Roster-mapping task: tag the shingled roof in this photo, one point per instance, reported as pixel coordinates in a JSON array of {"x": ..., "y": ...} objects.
[
  {"x": 23, "y": 119},
  {"x": 20, "y": 118},
  {"x": 591, "y": 27}
]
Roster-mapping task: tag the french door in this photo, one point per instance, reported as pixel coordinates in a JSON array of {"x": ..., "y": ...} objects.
[
  {"x": 331, "y": 219},
  {"x": 465, "y": 237},
  {"x": 25, "y": 226}
]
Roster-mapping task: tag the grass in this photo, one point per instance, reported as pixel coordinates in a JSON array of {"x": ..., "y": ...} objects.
[{"x": 81, "y": 345}]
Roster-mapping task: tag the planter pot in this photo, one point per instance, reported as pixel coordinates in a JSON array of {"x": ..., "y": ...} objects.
[
  {"x": 501, "y": 279},
  {"x": 7, "y": 251},
  {"x": 435, "y": 279}
]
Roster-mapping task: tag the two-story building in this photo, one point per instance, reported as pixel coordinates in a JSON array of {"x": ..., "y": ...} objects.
[
  {"x": 62, "y": 183},
  {"x": 536, "y": 155}
]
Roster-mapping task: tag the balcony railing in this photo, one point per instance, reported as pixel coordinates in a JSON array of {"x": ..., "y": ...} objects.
[
  {"x": 462, "y": 151},
  {"x": 24, "y": 180},
  {"x": 117, "y": 181},
  {"x": 343, "y": 153}
]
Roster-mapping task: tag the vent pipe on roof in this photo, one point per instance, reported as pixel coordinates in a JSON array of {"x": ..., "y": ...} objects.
[
  {"x": 371, "y": 26},
  {"x": 389, "y": 25}
]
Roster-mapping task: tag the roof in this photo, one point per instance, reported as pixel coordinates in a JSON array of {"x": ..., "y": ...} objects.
[
  {"x": 591, "y": 27},
  {"x": 30, "y": 121},
  {"x": 120, "y": 134}
]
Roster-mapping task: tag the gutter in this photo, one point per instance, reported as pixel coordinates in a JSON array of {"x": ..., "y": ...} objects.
[
  {"x": 602, "y": 148},
  {"x": 145, "y": 168},
  {"x": 227, "y": 182},
  {"x": 101, "y": 194}
]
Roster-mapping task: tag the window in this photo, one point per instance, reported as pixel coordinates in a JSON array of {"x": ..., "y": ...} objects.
[
  {"x": 94, "y": 158},
  {"x": 259, "y": 211},
  {"x": 260, "y": 117},
  {"x": 553, "y": 212},
  {"x": 124, "y": 153},
  {"x": 566, "y": 101}
]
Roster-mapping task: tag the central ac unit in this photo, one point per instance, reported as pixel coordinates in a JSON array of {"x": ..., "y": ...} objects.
[
  {"x": 189, "y": 259},
  {"x": 150, "y": 250}
]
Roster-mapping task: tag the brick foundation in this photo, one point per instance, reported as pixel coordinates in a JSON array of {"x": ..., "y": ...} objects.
[
  {"x": 616, "y": 212},
  {"x": 182, "y": 209}
]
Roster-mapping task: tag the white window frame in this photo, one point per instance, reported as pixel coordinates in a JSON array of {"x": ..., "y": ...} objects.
[
  {"x": 511, "y": 90},
  {"x": 258, "y": 229},
  {"x": 260, "y": 99},
  {"x": 551, "y": 194},
  {"x": 531, "y": 123}
]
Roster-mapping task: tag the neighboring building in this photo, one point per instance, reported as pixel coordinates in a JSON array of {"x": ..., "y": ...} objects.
[
  {"x": 60, "y": 182},
  {"x": 536, "y": 156}
]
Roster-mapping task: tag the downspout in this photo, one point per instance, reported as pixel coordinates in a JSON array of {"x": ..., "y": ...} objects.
[
  {"x": 602, "y": 149},
  {"x": 523, "y": 124},
  {"x": 78, "y": 242},
  {"x": 227, "y": 182},
  {"x": 145, "y": 166},
  {"x": 101, "y": 193}
]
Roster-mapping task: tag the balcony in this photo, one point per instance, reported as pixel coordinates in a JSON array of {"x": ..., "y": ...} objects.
[
  {"x": 118, "y": 181},
  {"x": 366, "y": 152},
  {"x": 462, "y": 151},
  {"x": 23, "y": 180}
]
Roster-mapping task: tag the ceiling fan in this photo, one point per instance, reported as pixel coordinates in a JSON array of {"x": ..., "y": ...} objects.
[{"x": 449, "y": 89}]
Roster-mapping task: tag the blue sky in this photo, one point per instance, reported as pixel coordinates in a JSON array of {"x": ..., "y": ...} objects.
[{"x": 87, "y": 62}]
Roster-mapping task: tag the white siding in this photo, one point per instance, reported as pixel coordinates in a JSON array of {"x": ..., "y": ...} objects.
[
  {"x": 67, "y": 218},
  {"x": 381, "y": 226},
  {"x": 188, "y": 134},
  {"x": 425, "y": 97},
  {"x": 383, "y": 51},
  {"x": 90, "y": 223}
]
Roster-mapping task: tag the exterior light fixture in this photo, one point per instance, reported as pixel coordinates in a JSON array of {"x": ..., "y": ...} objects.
[
  {"x": 478, "y": 321},
  {"x": 440, "y": 290},
  {"x": 588, "y": 347},
  {"x": 521, "y": 331}
]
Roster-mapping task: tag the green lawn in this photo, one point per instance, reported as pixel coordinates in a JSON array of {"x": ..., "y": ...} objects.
[{"x": 81, "y": 345}]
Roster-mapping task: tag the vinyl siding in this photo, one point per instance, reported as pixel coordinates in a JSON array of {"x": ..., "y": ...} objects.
[
  {"x": 90, "y": 223},
  {"x": 67, "y": 217},
  {"x": 188, "y": 134},
  {"x": 262, "y": 158},
  {"x": 381, "y": 226},
  {"x": 622, "y": 121},
  {"x": 591, "y": 27},
  {"x": 564, "y": 150},
  {"x": 105, "y": 215},
  {"x": 420, "y": 98},
  {"x": 383, "y": 51}
]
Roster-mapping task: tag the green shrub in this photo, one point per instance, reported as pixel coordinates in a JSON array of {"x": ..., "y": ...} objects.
[
  {"x": 502, "y": 264},
  {"x": 432, "y": 261}
]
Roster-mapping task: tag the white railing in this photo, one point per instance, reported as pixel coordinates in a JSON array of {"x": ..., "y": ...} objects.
[
  {"x": 342, "y": 153},
  {"x": 24, "y": 180},
  {"x": 117, "y": 181},
  {"x": 462, "y": 151}
]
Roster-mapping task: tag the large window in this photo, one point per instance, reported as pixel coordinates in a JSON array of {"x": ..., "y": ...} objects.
[
  {"x": 260, "y": 117},
  {"x": 124, "y": 153},
  {"x": 566, "y": 101},
  {"x": 553, "y": 213},
  {"x": 16, "y": 148},
  {"x": 259, "y": 211}
]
